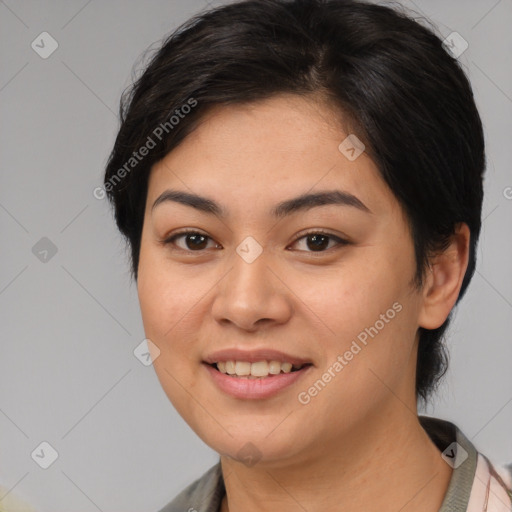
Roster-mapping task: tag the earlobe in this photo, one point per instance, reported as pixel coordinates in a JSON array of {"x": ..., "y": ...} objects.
[{"x": 444, "y": 281}]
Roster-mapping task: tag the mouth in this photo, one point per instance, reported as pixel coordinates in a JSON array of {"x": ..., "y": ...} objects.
[
  {"x": 257, "y": 374},
  {"x": 256, "y": 370}
]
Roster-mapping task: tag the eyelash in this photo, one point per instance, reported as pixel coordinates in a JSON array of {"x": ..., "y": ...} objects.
[{"x": 340, "y": 241}]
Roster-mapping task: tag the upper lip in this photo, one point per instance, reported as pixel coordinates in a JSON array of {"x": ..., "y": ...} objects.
[{"x": 253, "y": 356}]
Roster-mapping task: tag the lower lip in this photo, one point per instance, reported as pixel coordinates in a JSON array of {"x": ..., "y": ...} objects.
[{"x": 262, "y": 387}]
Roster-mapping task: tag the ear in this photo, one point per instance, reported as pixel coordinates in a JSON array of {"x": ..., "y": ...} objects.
[{"x": 443, "y": 283}]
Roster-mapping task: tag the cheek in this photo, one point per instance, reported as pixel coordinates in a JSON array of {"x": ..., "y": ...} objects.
[
  {"x": 366, "y": 316},
  {"x": 174, "y": 304},
  {"x": 169, "y": 319},
  {"x": 164, "y": 294},
  {"x": 347, "y": 299},
  {"x": 162, "y": 305}
]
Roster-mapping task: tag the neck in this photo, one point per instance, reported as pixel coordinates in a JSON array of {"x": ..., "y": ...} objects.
[{"x": 380, "y": 466}]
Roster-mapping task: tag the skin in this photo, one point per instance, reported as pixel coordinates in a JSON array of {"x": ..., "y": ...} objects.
[{"x": 358, "y": 444}]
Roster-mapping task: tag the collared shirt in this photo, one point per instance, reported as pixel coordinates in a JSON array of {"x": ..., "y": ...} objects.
[{"x": 476, "y": 485}]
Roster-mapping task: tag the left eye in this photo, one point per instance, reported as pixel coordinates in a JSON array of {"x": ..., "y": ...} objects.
[{"x": 319, "y": 241}]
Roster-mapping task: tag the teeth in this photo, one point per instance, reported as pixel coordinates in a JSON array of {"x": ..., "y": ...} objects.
[
  {"x": 255, "y": 370},
  {"x": 230, "y": 367},
  {"x": 274, "y": 367},
  {"x": 242, "y": 368},
  {"x": 286, "y": 367},
  {"x": 259, "y": 369}
]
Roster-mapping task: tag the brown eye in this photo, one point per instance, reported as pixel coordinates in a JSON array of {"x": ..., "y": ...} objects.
[
  {"x": 192, "y": 241},
  {"x": 318, "y": 241}
]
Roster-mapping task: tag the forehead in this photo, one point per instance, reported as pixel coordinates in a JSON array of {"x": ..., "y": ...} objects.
[{"x": 271, "y": 149}]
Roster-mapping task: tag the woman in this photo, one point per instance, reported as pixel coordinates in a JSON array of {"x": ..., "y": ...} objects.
[{"x": 300, "y": 185}]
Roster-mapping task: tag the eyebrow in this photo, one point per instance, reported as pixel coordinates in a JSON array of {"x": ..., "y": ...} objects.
[{"x": 288, "y": 207}]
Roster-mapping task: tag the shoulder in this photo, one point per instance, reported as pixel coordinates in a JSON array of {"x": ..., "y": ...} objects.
[
  {"x": 492, "y": 487},
  {"x": 202, "y": 495},
  {"x": 477, "y": 483},
  {"x": 505, "y": 472},
  {"x": 500, "y": 480}
]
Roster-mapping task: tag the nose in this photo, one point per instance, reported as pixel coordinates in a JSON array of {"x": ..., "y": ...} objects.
[{"x": 252, "y": 295}]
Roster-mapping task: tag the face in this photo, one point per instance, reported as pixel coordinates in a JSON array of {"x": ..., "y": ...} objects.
[{"x": 263, "y": 277}]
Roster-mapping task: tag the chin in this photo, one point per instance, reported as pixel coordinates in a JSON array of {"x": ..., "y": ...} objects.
[{"x": 251, "y": 448}]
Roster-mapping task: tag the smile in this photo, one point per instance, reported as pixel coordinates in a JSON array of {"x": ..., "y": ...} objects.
[
  {"x": 256, "y": 380},
  {"x": 257, "y": 369}
]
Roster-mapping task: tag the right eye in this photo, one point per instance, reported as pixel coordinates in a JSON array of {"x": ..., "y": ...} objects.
[{"x": 194, "y": 241}]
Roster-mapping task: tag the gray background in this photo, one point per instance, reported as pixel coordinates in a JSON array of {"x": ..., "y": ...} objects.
[{"x": 68, "y": 374}]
